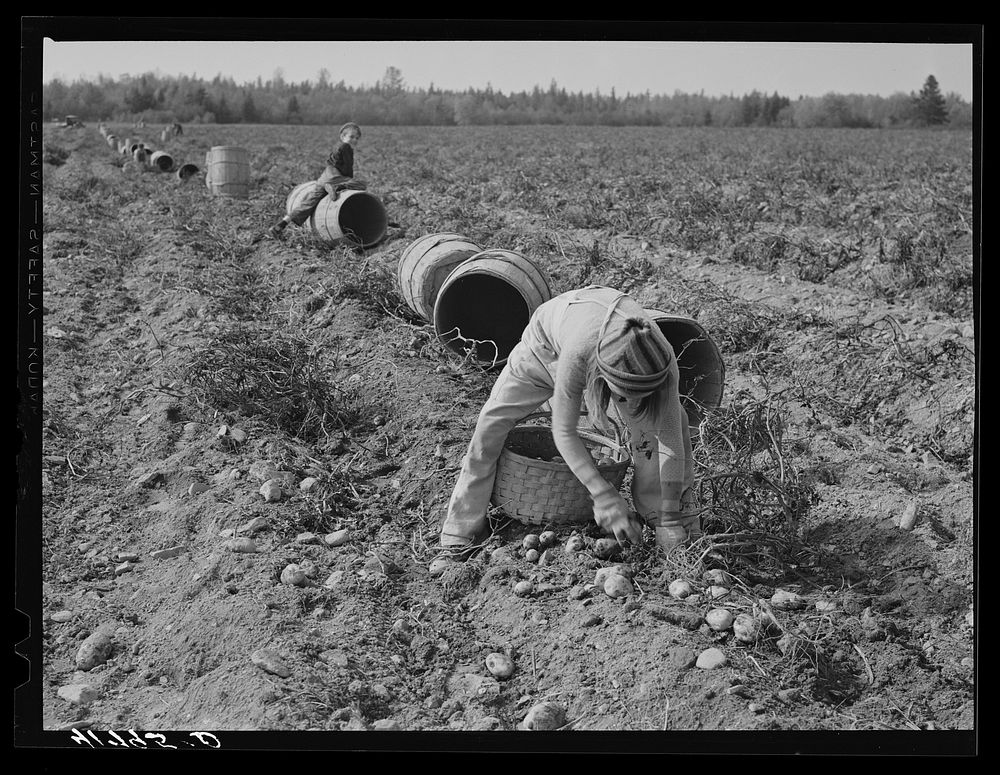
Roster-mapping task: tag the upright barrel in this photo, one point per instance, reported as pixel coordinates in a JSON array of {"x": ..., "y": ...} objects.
[
  {"x": 228, "y": 171},
  {"x": 702, "y": 372},
  {"x": 425, "y": 265},
  {"x": 485, "y": 304}
]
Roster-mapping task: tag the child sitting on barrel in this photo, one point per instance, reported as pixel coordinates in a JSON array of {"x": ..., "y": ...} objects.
[
  {"x": 594, "y": 347},
  {"x": 338, "y": 175}
]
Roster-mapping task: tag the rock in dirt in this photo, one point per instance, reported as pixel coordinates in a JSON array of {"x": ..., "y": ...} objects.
[
  {"x": 715, "y": 591},
  {"x": 79, "y": 694},
  {"x": 786, "y": 600},
  {"x": 61, "y": 616},
  {"x": 908, "y": 519},
  {"x": 271, "y": 490},
  {"x": 685, "y": 619},
  {"x": 255, "y": 525},
  {"x": 306, "y": 538},
  {"x": 603, "y": 574},
  {"x": 231, "y": 437},
  {"x": 500, "y": 665},
  {"x": 546, "y": 539},
  {"x": 334, "y": 657},
  {"x": 197, "y": 488},
  {"x": 575, "y": 543},
  {"x": 529, "y": 542},
  {"x": 337, "y": 537},
  {"x": 95, "y": 650},
  {"x": 523, "y": 588},
  {"x": 125, "y": 567},
  {"x": 532, "y": 555},
  {"x": 682, "y": 657},
  {"x": 578, "y": 592},
  {"x": 308, "y": 484},
  {"x": 680, "y": 589},
  {"x": 607, "y": 548},
  {"x": 269, "y": 661},
  {"x": 617, "y": 586},
  {"x": 242, "y": 545},
  {"x": 746, "y": 628},
  {"x": 710, "y": 659},
  {"x": 544, "y": 716},
  {"x": 719, "y": 619},
  {"x": 166, "y": 554},
  {"x": 294, "y": 575},
  {"x": 386, "y": 725}
]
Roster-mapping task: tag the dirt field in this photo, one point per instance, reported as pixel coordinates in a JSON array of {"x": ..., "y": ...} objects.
[{"x": 184, "y": 367}]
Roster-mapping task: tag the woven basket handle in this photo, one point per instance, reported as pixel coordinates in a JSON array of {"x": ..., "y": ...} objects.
[{"x": 617, "y": 441}]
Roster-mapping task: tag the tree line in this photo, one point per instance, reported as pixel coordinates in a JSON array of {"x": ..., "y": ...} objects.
[{"x": 158, "y": 99}]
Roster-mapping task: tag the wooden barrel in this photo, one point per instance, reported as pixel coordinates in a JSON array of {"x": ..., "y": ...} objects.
[
  {"x": 702, "y": 372},
  {"x": 484, "y": 305},
  {"x": 425, "y": 265},
  {"x": 357, "y": 217},
  {"x": 228, "y": 171},
  {"x": 161, "y": 161},
  {"x": 186, "y": 171}
]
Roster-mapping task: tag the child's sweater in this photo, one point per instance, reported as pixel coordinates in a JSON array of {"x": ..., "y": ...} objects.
[
  {"x": 342, "y": 160},
  {"x": 563, "y": 335}
]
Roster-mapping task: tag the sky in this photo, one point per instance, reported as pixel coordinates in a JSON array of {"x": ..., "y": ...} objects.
[{"x": 791, "y": 69}]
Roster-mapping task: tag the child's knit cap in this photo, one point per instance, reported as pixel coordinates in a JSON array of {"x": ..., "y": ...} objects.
[
  {"x": 634, "y": 355},
  {"x": 349, "y": 125}
]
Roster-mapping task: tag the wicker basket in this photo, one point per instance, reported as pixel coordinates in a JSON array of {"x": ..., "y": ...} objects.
[{"x": 541, "y": 492}]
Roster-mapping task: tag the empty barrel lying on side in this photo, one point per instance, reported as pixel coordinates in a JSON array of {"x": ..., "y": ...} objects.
[
  {"x": 486, "y": 302},
  {"x": 702, "y": 371},
  {"x": 355, "y": 217},
  {"x": 162, "y": 161},
  {"x": 425, "y": 265}
]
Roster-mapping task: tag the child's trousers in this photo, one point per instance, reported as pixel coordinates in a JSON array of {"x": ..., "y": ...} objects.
[
  {"x": 324, "y": 185},
  {"x": 518, "y": 391},
  {"x": 525, "y": 383}
]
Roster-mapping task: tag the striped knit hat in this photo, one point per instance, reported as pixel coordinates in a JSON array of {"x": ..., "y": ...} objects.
[
  {"x": 633, "y": 355},
  {"x": 349, "y": 125}
]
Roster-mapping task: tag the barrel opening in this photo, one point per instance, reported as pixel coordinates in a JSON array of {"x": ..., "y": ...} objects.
[
  {"x": 363, "y": 219},
  {"x": 484, "y": 313},
  {"x": 163, "y": 163},
  {"x": 702, "y": 374},
  {"x": 186, "y": 171}
]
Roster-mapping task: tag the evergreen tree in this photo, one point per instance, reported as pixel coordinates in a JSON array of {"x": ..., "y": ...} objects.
[{"x": 930, "y": 105}]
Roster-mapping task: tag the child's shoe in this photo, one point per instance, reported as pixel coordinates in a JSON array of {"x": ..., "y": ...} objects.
[
  {"x": 448, "y": 556},
  {"x": 680, "y": 533}
]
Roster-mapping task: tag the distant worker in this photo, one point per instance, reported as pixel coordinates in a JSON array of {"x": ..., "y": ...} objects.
[
  {"x": 338, "y": 176},
  {"x": 177, "y": 129}
]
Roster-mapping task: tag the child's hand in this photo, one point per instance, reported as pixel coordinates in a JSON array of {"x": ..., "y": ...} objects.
[{"x": 613, "y": 515}]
